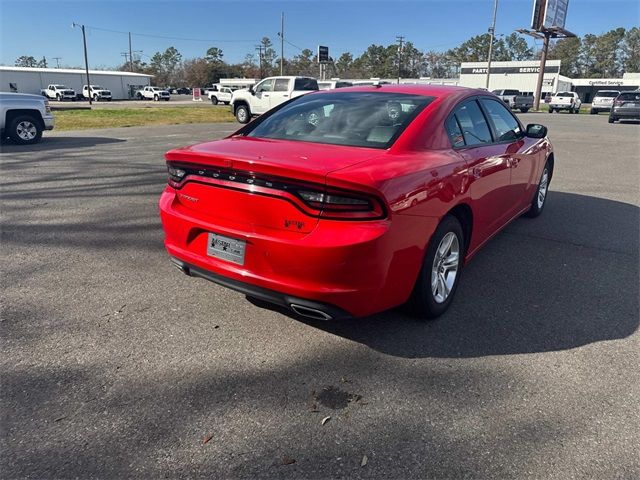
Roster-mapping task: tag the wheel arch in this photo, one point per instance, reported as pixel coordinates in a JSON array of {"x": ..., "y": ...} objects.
[
  {"x": 11, "y": 114},
  {"x": 464, "y": 214},
  {"x": 238, "y": 103},
  {"x": 551, "y": 161}
]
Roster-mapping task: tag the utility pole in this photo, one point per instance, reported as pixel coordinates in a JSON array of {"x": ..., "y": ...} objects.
[
  {"x": 57, "y": 59},
  {"x": 126, "y": 57},
  {"x": 86, "y": 60},
  {"x": 492, "y": 33},
  {"x": 282, "y": 44},
  {"x": 259, "y": 48},
  {"x": 130, "y": 54},
  {"x": 400, "y": 40}
]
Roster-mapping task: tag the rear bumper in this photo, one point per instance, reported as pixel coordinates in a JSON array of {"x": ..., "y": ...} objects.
[
  {"x": 561, "y": 106},
  {"x": 630, "y": 113},
  {"x": 298, "y": 306},
  {"x": 348, "y": 268}
]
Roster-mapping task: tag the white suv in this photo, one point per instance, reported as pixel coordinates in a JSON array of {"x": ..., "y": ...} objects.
[{"x": 603, "y": 101}]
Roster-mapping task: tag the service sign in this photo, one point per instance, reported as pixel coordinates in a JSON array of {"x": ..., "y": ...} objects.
[{"x": 196, "y": 94}]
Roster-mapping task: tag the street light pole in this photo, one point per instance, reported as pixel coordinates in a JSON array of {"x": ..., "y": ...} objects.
[
  {"x": 492, "y": 32},
  {"x": 86, "y": 60}
]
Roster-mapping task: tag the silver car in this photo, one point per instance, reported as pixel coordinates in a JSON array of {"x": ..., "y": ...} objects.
[{"x": 603, "y": 100}]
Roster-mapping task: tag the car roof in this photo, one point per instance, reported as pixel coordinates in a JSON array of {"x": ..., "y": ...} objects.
[{"x": 415, "y": 89}]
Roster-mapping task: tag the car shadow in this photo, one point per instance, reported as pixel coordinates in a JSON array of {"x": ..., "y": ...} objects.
[
  {"x": 56, "y": 143},
  {"x": 566, "y": 279}
]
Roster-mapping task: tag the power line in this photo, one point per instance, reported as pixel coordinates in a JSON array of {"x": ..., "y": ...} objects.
[{"x": 168, "y": 37}]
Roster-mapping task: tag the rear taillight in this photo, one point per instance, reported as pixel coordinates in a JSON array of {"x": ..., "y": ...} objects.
[
  {"x": 339, "y": 204},
  {"x": 313, "y": 199}
]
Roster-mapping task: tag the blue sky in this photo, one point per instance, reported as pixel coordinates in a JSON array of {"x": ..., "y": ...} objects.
[{"x": 44, "y": 28}]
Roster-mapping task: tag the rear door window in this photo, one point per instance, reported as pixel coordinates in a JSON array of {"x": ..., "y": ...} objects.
[
  {"x": 282, "y": 85},
  {"x": 505, "y": 126},
  {"x": 454, "y": 132},
  {"x": 629, "y": 97},
  {"x": 473, "y": 124}
]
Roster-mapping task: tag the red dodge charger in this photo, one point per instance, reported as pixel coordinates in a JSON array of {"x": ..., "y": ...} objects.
[{"x": 346, "y": 203}]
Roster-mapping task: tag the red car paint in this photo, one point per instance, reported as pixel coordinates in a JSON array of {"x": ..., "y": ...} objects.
[{"x": 361, "y": 266}]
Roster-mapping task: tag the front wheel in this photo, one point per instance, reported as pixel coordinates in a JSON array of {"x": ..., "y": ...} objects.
[
  {"x": 593, "y": 112},
  {"x": 540, "y": 197},
  {"x": 441, "y": 271},
  {"x": 155, "y": 98},
  {"x": 242, "y": 114},
  {"x": 25, "y": 130},
  {"x": 524, "y": 110},
  {"x": 96, "y": 98},
  {"x": 550, "y": 110},
  {"x": 612, "y": 119}
]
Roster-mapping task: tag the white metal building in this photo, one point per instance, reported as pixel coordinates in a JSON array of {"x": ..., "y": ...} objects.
[
  {"x": 33, "y": 80},
  {"x": 518, "y": 75}
]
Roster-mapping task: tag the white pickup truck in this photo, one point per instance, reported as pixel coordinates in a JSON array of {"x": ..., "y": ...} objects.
[
  {"x": 565, "y": 101},
  {"x": 220, "y": 95},
  {"x": 97, "y": 93},
  {"x": 515, "y": 99},
  {"x": 153, "y": 93},
  {"x": 24, "y": 117},
  {"x": 59, "y": 92},
  {"x": 267, "y": 94}
]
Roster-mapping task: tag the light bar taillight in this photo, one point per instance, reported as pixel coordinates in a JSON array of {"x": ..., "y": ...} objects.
[{"x": 313, "y": 199}]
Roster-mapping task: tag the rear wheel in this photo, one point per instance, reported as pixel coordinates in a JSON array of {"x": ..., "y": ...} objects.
[
  {"x": 441, "y": 271},
  {"x": 25, "y": 130},
  {"x": 524, "y": 110},
  {"x": 96, "y": 98},
  {"x": 540, "y": 198},
  {"x": 550, "y": 110},
  {"x": 593, "y": 111},
  {"x": 214, "y": 100},
  {"x": 155, "y": 98},
  {"x": 58, "y": 97},
  {"x": 242, "y": 114}
]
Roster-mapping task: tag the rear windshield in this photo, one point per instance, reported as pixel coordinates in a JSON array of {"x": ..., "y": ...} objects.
[
  {"x": 359, "y": 119},
  {"x": 564, "y": 94},
  {"x": 630, "y": 96},
  {"x": 511, "y": 92},
  {"x": 609, "y": 94},
  {"x": 305, "y": 84}
]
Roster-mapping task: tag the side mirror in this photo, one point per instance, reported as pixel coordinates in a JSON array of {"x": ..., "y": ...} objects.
[
  {"x": 535, "y": 130},
  {"x": 252, "y": 91}
]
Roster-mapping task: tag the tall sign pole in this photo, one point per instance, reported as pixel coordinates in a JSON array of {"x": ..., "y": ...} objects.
[
  {"x": 492, "y": 33},
  {"x": 547, "y": 21}
]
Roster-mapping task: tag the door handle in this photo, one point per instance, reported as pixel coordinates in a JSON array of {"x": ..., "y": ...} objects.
[
  {"x": 285, "y": 95},
  {"x": 265, "y": 95}
]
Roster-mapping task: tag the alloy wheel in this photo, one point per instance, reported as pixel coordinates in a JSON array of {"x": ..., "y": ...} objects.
[
  {"x": 542, "y": 188},
  {"x": 26, "y": 130},
  {"x": 445, "y": 267}
]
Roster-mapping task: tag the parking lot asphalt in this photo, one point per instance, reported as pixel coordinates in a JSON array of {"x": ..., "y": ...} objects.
[{"x": 115, "y": 365}]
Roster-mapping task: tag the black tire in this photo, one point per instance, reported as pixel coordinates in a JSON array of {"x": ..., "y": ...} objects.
[
  {"x": 524, "y": 110},
  {"x": 593, "y": 112},
  {"x": 20, "y": 125},
  {"x": 550, "y": 110},
  {"x": 536, "y": 207},
  {"x": 243, "y": 114},
  {"x": 58, "y": 97},
  {"x": 612, "y": 119},
  {"x": 96, "y": 98},
  {"x": 423, "y": 303},
  {"x": 214, "y": 100},
  {"x": 166, "y": 99},
  {"x": 155, "y": 98},
  {"x": 139, "y": 96}
]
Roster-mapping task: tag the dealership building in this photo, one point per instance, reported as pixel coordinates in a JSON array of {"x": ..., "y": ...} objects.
[{"x": 32, "y": 80}]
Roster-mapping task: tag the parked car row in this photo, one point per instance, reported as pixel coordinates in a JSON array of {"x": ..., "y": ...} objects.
[{"x": 62, "y": 92}]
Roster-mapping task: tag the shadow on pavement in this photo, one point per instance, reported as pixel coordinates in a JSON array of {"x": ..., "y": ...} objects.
[
  {"x": 566, "y": 279},
  {"x": 56, "y": 143}
]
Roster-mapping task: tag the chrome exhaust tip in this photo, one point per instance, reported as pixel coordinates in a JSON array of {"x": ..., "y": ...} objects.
[{"x": 309, "y": 312}]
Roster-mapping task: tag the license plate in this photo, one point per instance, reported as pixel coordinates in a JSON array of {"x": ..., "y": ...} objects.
[{"x": 226, "y": 248}]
